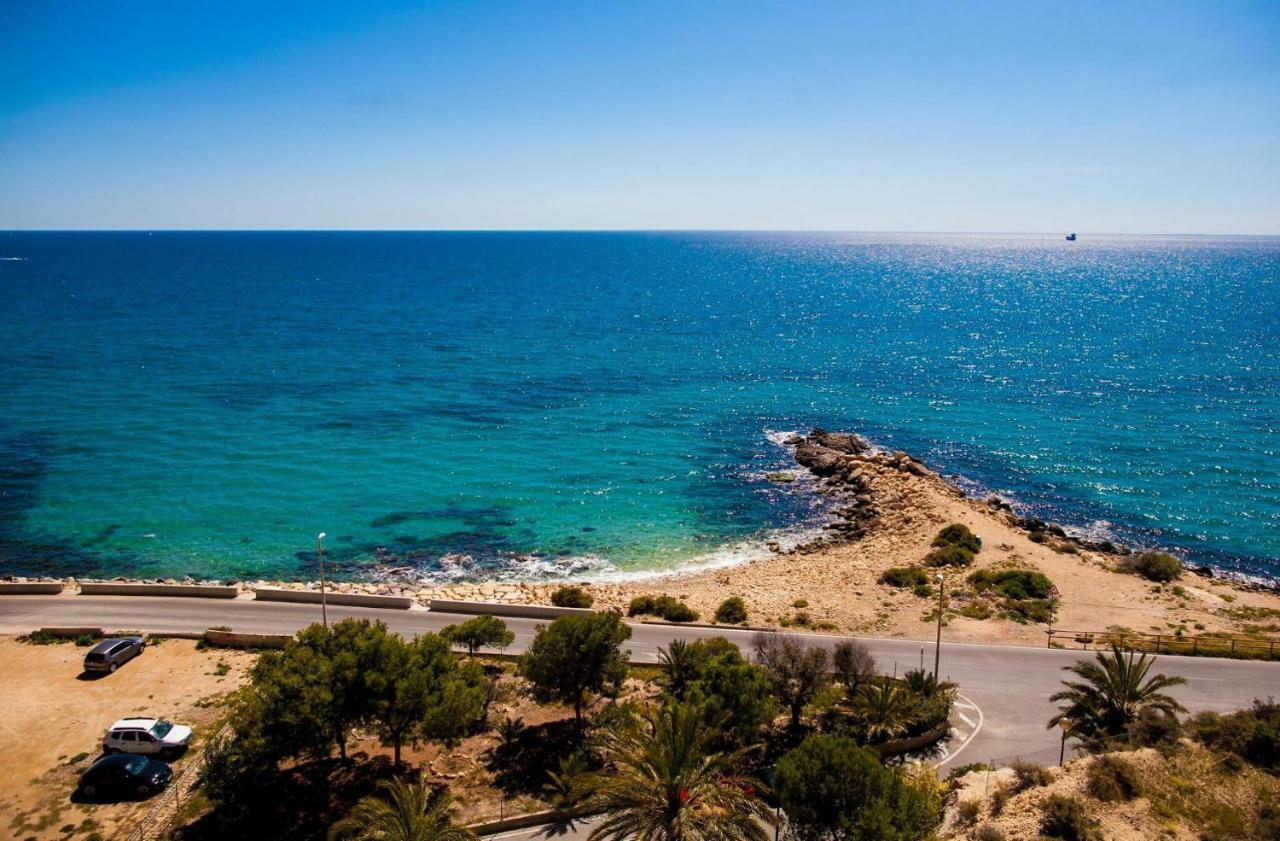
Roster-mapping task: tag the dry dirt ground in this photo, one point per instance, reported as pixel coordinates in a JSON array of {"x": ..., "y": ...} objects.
[{"x": 52, "y": 721}]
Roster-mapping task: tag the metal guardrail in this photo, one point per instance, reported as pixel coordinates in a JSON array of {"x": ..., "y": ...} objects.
[{"x": 1236, "y": 646}]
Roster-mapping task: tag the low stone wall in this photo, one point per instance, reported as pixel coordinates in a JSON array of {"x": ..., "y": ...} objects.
[
  {"x": 232, "y": 639},
  {"x": 273, "y": 594},
  {"x": 526, "y": 611},
  {"x": 30, "y": 588},
  {"x": 197, "y": 591},
  {"x": 526, "y": 821}
]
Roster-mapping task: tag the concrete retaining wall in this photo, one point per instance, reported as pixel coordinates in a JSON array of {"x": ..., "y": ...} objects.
[
  {"x": 233, "y": 639},
  {"x": 526, "y": 611},
  {"x": 526, "y": 821},
  {"x": 197, "y": 591},
  {"x": 72, "y": 633},
  {"x": 30, "y": 588},
  {"x": 273, "y": 594}
]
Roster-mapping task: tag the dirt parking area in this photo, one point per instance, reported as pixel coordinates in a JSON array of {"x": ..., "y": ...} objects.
[{"x": 52, "y": 719}]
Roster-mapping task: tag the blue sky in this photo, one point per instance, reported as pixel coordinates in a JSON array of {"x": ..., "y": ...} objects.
[{"x": 1099, "y": 117}]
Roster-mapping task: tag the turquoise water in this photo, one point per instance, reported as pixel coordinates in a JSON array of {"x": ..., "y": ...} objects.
[{"x": 544, "y": 404}]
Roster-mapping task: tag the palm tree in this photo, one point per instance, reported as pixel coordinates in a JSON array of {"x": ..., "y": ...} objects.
[
  {"x": 402, "y": 812},
  {"x": 679, "y": 666},
  {"x": 887, "y": 709},
  {"x": 1111, "y": 693},
  {"x": 666, "y": 784}
]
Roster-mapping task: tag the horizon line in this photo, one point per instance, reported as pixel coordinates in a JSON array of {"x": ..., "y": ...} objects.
[{"x": 896, "y": 232}]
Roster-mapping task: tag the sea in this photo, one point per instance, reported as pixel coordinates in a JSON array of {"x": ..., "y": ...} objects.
[{"x": 602, "y": 405}]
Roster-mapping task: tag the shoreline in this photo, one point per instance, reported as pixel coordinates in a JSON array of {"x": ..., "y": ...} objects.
[{"x": 885, "y": 508}]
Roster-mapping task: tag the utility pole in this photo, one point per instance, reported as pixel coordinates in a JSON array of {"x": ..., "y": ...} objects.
[
  {"x": 324, "y": 605},
  {"x": 937, "y": 645}
]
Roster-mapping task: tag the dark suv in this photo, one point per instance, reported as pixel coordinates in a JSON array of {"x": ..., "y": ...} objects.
[
  {"x": 125, "y": 774},
  {"x": 109, "y": 655}
]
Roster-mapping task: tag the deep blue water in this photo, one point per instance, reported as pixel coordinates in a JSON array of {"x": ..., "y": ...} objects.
[{"x": 204, "y": 403}]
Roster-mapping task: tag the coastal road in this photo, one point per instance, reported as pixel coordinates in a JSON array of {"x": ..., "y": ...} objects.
[{"x": 1006, "y": 687}]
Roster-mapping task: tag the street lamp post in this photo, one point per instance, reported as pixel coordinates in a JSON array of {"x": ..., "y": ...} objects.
[
  {"x": 1066, "y": 731},
  {"x": 937, "y": 644},
  {"x": 324, "y": 606}
]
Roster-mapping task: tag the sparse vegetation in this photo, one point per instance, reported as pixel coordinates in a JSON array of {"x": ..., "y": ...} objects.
[
  {"x": 902, "y": 577},
  {"x": 959, "y": 535},
  {"x": 949, "y": 556},
  {"x": 1064, "y": 818},
  {"x": 1158, "y": 566},
  {"x": 664, "y": 607},
  {"x": 571, "y": 597},
  {"x": 732, "y": 611},
  {"x": 1112, "y": 779}
]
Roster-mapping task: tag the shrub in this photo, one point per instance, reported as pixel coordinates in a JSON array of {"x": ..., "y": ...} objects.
[
  {"x": 1029, "y": 775},
  {"x": 800, "y": 604},
  {"x": 38, "y": 637},
  {"x": 85, "y": 640},
  {"x": 1158, "y": 566},
  {"x": 958, "y": 534},
  {"x": 571, "y": 597},
  {"x": 1013, "y": 583},
  {"x": 1153, "y": 728},
  {"x": 1112, "y": 779},
  {"x": 988, "y": 832},
  {"x": 905, "y": 577},
  {"x": 1036, "y": 536},
  {"x": 923, "y": 591},
  {"x": 1064, "y": 818},
  {"x": 949, "y": 556},
  {"x": 1029, "y": 610},
  {"x": 959, "y": 771},
  {"x": 967, "y": 812},
  {"x": 1252, "y": 734},
  {"x": 854, "y": 664},
  {"x": 732, "y": 611},
  {"x": 999, "y": 799},
  {"x": 664, "y": 607}
]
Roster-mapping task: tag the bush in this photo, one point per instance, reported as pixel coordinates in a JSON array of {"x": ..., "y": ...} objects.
[
  {"x": 1029, "y": 775},
  {"x": 1064, "y": 818},
  {"x": 664, "y": 607},
  {"x": 958, "y": 534},
  {"x": 1158, "y": 566},
  {"x": 905, "y": 577},
  {"x": 1112, "y": 780},
  {"x": 949, "y": 556},
  {"x": 1252, "y": 734},
  {"x": 999, "y": 799},
  {"x": 1036, "y": 536},
  {"x": 571, "y": 597},
  {"x": 968, "y": 811},
  {"x": 1153, "y": 728},
  {"x": 732, "y": 611},
  {"x": 988, "y": 832},
  {"x": 1015, "y": 584}
]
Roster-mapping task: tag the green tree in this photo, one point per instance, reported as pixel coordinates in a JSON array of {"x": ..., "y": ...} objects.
[
  {"x": 796, "y": 670},
  {"x": 665, "y": 783},
  {"x": 482, "y": 632},
  {"x": 854, "y": 665},
  {"x": 574, "y": 655},
  {"x": 715, "y": 676},
  {"x": 423, "y": 692},
  {"x": 1111, "y": 692},
  {"x": 833, "y": 790},
  {"x": 402, "y": 811}
]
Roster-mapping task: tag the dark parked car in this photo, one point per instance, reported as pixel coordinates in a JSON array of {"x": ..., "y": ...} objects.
[
  {"x": 125, "y": 774},
  {"x": 109, "y": 655}
]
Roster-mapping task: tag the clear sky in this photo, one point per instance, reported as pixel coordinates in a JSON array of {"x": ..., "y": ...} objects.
[{"x": 1123, "y": 117}]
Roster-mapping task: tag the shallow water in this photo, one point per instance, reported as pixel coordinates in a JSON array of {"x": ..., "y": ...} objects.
[{"x": 204, "y": 403}]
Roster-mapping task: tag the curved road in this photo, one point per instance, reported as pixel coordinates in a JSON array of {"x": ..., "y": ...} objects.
[{"x": 1007, "y": 686}]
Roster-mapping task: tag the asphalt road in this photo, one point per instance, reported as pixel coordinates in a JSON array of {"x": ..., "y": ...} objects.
[{"x": 1008, "y": 687}]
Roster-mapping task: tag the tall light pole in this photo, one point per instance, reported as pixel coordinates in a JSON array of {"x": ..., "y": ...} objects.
[
  {"x": 937, "y": 645},
  {"x": 1066, "y": 731},
  {"x": 324, "y": 605}
]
